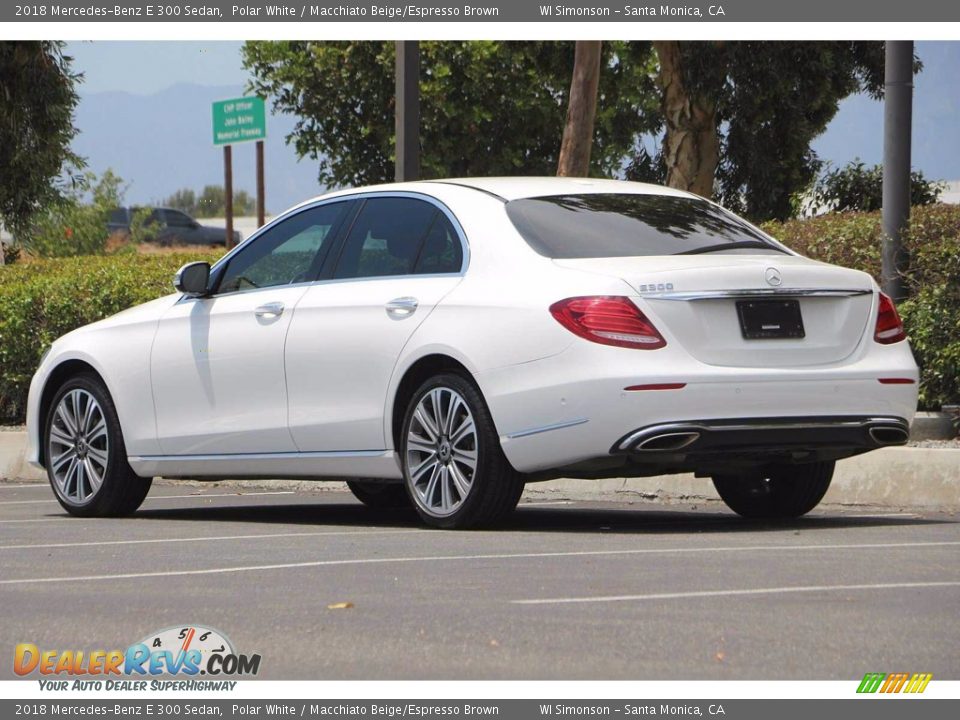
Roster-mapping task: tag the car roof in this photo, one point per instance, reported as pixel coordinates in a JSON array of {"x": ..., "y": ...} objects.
[{"x": 515, "y": 188}]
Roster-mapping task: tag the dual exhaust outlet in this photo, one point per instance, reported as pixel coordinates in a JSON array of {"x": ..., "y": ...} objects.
[{"x": 773, "y": 433}]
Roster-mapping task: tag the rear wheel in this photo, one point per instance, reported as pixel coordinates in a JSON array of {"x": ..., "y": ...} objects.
[
  {"x": 85, "y": 456},
  {"x": 379, "y": 495},
  {"x": 454, "y": 469},
  {"x": 777, "y": 491}
]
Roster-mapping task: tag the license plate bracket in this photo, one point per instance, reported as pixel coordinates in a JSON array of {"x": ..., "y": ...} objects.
[{"x": 770, "y": 319}]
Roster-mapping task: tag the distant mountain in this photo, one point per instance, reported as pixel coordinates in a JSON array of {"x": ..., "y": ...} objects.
[{"x": 160, "y": 143}]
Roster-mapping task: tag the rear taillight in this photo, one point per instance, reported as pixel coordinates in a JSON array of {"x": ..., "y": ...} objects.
[
  {"x": 608, "y": 320},
  {"x": 889, "y": 325}
]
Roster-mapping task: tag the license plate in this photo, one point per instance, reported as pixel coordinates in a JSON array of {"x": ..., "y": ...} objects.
[{"x": 770, "y": 319}]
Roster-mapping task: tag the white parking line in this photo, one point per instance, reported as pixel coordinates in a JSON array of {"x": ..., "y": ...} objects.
[
  {"x": 201, "y": 538},
  {"x": 731, "y": 593},
  {"x": 167, "y": 497},
  {"x": 17, "y": 486},
  {"x": 36, "y": 520},
  {"x": 461, "y": 558}
]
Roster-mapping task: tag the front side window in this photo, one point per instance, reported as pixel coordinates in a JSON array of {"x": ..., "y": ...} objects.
[
  {"x": 289, "y": 252},
  {"x": 629, "y": 225},
  {"x": 398, "y": 236}
]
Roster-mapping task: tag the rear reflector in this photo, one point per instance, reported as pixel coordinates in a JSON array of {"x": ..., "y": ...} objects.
[
  {"x": 896, "y": 381},
  {"x": 608, "y": 320},
  {"x": 889, "y": 326},
  {"x": 657, "y": 386}
]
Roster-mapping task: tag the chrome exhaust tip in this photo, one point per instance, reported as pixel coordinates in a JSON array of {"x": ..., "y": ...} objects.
[
  {"x": 889, "y": 435},
  {"x": 666, "y": 442}
]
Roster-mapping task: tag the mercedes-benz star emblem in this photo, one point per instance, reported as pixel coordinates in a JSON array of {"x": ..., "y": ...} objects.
[{"x": 773, "y": 276}]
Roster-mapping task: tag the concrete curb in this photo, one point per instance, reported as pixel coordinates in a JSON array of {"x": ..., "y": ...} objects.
[{"x": 901, "y": 477}]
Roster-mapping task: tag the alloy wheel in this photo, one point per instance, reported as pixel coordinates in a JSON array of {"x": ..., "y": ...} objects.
[
  {"x": 78, "y": 447},
  {"x": 441, "y": 452}
]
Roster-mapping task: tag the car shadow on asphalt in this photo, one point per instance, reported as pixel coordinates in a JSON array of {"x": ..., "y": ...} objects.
[{"x": 574, "y": 518}]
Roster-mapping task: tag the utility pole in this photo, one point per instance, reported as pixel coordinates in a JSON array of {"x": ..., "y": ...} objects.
[
  {"x": 897, "y": 127},
  {"x": 261, "y": 202},
  {"x": 407, "y": 111},
  {"x": 228, "y": 193}
]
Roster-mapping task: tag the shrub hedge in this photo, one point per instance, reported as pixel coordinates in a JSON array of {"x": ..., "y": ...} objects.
[
  {"x": 932, "y": 312},
  {"x": 41, "y": 300}
]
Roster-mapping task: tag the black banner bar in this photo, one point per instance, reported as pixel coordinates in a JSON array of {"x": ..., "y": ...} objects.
[
  {"x": 547, "y": 709},
  {"x": 632, "y": 11}
]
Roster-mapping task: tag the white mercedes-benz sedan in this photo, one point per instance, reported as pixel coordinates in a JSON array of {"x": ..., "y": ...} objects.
[{"x": 441, "y": 343}]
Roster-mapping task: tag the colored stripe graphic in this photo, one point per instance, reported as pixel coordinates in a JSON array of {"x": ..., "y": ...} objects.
[
  {"x": 871, "y": 682},
  {"x": 894, "y": 682}
]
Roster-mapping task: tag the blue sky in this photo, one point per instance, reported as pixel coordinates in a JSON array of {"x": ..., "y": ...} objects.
[
  {"x": 145, "y": 68},
  {"x": 214, "y": 71}
]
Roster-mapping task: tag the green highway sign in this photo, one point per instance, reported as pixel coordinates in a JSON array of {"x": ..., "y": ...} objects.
[{"x": 239, "y": 120}]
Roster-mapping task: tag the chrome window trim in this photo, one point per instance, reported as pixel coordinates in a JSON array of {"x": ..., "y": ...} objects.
[{"x": 360, "y": 195}]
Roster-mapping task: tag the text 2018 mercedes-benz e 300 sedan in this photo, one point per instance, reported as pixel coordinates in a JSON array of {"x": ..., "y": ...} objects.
[{"x": 441, "y": 343}]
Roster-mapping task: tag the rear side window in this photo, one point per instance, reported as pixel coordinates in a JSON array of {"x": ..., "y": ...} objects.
[
  {"x": 441, "y": 251},
  {"x": 628, "y": 225},
  {"x": 399, "y": 236}
]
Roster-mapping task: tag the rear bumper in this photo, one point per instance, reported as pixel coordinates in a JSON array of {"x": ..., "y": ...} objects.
[{"x": 576, "y": 408}]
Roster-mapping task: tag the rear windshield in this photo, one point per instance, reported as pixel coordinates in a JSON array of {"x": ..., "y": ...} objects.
[{"x": 620, "y": 225}]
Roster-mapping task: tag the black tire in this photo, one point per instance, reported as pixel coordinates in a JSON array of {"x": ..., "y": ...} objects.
[
  {"x": 121, "y": 491},
  {"x": 495, "y": 487},
  {"x": 379, "y": 495},
  {"x": 778, "y": 491}
]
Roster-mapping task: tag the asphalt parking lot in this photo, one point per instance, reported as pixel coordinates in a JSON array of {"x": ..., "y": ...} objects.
[{"x": 564, "y": 591}]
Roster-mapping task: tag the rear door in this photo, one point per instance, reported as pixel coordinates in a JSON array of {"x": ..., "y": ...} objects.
[{"x": 402, "y": 254}]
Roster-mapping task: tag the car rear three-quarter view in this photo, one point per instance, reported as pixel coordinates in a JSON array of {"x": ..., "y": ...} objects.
[{"x": 440, "y": 344}]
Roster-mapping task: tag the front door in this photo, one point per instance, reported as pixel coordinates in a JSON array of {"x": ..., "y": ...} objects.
[{"x": 217, "y": 363}]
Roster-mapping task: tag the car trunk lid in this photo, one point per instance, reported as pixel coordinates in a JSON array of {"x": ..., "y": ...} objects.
[{"x": 695, "y": 298}]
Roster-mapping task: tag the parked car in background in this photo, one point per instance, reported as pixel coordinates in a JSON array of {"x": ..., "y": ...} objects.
[
  {"x": 441, "y": 343},
  {"x": 170, "y": 227}
]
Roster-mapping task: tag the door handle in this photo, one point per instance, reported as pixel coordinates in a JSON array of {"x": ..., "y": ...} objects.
[
  {"x": 269, "y": 310},
  {"x": 402, "y": 307}
]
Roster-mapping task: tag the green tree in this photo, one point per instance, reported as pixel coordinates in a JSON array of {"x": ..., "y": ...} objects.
[
  {"x": 37, "y": 101},
  {"x": 76, "y": 224},
  {"x": 487, "y": 108},
  {"x": 184, "y": 199},
  {"x": 211, "y": 202},
  {"x": 740, "y": 116},
  {"x": 858, "y": 187}
]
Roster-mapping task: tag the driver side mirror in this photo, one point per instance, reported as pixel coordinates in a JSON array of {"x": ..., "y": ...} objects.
[{"x": 192, "y": 279}]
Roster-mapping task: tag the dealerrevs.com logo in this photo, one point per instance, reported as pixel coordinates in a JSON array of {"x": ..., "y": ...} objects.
[{"x": 183, "y": 650}]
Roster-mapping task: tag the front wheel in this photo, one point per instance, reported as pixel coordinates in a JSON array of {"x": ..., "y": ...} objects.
[
  {"x": 777, "y": 491},
  {"x": 454, "y": 469},
  {"x": 85, "y": 456}
]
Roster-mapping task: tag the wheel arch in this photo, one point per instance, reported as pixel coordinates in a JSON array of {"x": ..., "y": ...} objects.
[
  {"x": 416, "y": 374},
  {"x": 55, "y": 379}
]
